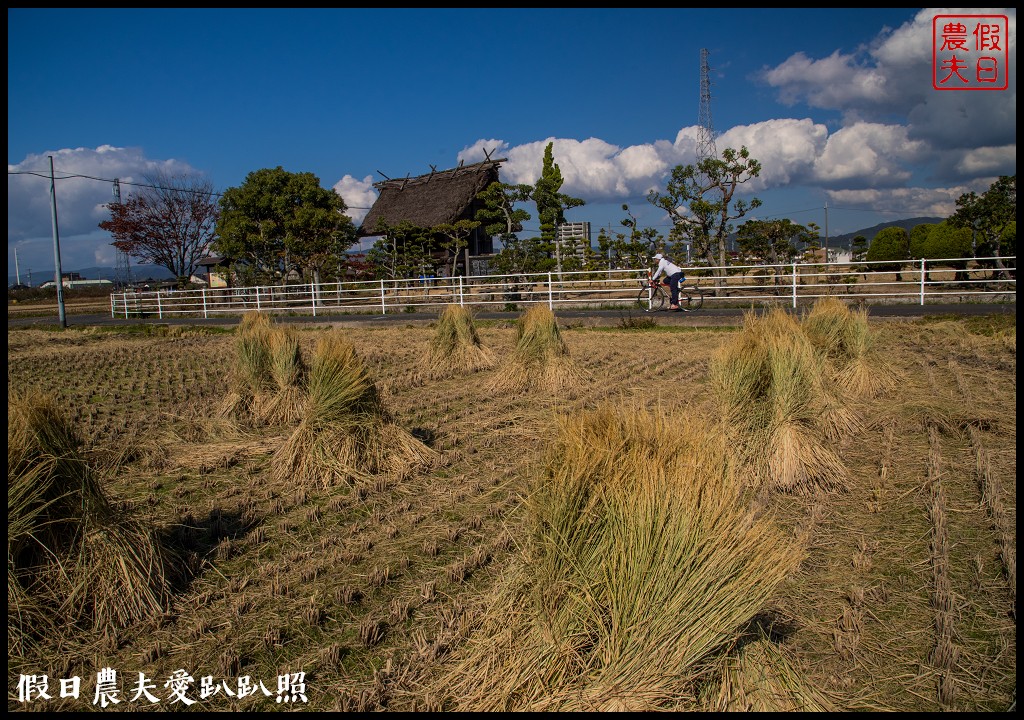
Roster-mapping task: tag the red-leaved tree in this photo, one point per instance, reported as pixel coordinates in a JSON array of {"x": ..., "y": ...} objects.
[{"x": 170, "y": 222}]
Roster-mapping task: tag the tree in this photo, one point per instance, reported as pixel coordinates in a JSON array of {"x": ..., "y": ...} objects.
[
  {"x": 454, "y": 238},
  {"x": 891, "y": 243},
  {"x": 858, "y": 248},
  {"x": 700, "y": 201},
  {"x": 551, "y": 204},
  {"x": 941, "y": 243},
  {"x": 501, "y": 218},
  {"x": 988, "y": 216},
  {"x": 773, "y": 241},
  {"x": 640, "y": 244},
  {"x": 170, "y": 224},
  {"x": 277, "y": 219},
  {"x": 499, "y": 215},
  {"x": 402, "y": 251}
]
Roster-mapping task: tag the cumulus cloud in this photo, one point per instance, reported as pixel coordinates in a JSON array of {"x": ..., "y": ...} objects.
[
  {"x": 833, "y": 82},
  {"x": 892, "y": 76},
  {"x": 83, "y": 181},
  {"x": 81, "y": 201},
  {"x": 359, "y": 196},
  {"x": 869, "y": 154},
  {"x": 786, "y": 148},
  {"x": 592, "y": 169}
]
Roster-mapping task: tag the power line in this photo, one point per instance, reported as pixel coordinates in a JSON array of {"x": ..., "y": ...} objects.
[{"x": 143, "y": 185}]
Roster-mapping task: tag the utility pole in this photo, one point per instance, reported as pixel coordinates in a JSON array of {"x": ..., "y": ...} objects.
[
  {"x": 58, "y": 275},
  {"x": 826, "y": 231}
]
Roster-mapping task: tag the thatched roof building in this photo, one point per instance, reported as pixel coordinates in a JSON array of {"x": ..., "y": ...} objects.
[{"x": 439, "y": 198}]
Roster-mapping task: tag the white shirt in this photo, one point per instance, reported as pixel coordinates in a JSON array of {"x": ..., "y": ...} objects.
[{"x": 666, "y": 266}]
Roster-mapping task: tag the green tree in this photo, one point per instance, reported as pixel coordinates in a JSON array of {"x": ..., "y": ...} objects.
[
  {"x": 170, "y": 224},
  {"x": 453, "y": 239},
  {"x": 700, "y": 199},
  {"x": 858, "y": 248},
  {"x": 919, "y": 237},
  {"x": 639, "y": 244},
  {"x": 890, "y": 244},
  {"x": 551, "y": 205},
  {"x": 277, "y": 219},
  {"x": 401, "y": 251},
  {"x": 501, "y": 217},
  {"x": 773, "y": 241},
  {"x": 942, "y": 243},
  {"x": 988, "y": 216}
]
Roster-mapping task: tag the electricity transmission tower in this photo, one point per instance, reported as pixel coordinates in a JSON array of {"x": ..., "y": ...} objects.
[
  {"x": 706, "y": 149},
  {"x": 705, "y": 133},
  {"x": 123, "y": 272}
]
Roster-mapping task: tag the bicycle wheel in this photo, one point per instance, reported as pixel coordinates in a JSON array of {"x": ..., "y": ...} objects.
[
  {"x": 651, "y": 299},
  {"x": 694, "y": 298}
]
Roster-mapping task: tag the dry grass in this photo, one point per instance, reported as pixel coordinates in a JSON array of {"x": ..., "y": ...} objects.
[
  {"x": 760, "y": 676},
  {"x": 775, "y": 406},
  {"x": 266, "y": 385}
]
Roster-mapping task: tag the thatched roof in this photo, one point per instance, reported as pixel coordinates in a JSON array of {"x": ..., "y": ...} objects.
[{"x": 444, "y": 196}]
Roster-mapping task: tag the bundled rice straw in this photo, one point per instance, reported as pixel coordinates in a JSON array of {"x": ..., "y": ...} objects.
[
  {"x": 70, "y": 556},
  {"x": 346, "y": 433},
  {"x": 776, "y": 408},
  {"x": 844, "y": 337},
  {"x": 266, "y": 384},
  {"x": 760, "y": 677},
  {"x": 540, "y": 359},
  {"x": 456, "y": 346},
  {"x": 643, "y": 559}
]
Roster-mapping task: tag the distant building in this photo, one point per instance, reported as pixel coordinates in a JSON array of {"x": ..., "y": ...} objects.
[
  {"x": 573, "y": 238},
  {"x": 76, "y": 283},
  {"x": 217, "y": 271}
]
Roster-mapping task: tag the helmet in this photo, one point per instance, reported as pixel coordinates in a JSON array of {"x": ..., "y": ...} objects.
[{"x": 658, "y": 256}]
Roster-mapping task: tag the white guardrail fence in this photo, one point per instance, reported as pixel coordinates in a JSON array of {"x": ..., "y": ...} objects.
[{"x": 933, "y": 281}]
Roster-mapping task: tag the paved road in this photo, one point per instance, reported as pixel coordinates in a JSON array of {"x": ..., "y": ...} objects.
[{"x": 705, "y": 317}]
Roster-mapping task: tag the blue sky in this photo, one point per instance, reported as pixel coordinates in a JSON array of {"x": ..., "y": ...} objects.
[{"x": 837, "y": 105}]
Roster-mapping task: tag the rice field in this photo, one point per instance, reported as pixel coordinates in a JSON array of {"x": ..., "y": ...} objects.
[{"x": 811, "y": 513}]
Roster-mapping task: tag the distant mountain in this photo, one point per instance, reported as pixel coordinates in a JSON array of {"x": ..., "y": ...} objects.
[{"x": 907, "y": 224}]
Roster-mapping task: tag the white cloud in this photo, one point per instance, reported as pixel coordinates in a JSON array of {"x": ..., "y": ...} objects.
[
  {"x": 359, "y": 196},
  {"x": 869, "y": 155},
  {"x": 991, "y": 161},
  {"x": 786, "y": 148},
  {"x": 592, "y": 168},
  {"x": 84, "y": 185},
  {"x": 833, "y": 82},
  {"x": 892, "y": 78}
]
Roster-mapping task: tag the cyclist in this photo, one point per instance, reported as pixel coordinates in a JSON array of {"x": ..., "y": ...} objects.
[{"x": 673, "y": 278}]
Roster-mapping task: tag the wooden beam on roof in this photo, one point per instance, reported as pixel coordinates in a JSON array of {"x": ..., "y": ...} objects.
[{"x": 383, "y": 175}]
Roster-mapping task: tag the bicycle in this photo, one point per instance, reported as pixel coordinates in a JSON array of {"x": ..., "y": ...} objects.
[{"x": 654, "y": 296}]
